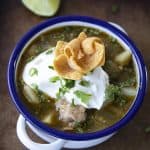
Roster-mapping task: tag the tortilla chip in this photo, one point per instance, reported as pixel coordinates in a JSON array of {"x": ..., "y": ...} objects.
[
  {"x": 79, "y": 56},
  {"x": 60, "y": 48},
  {"x": 75, "y": 64},
  {"x": 82, "y": 36},
  {"x": 88, "y": 45},
  {"x": 73, "y": 48},
  {"x": 64, "y": 70},
  {"x": 89, "y": 62}
]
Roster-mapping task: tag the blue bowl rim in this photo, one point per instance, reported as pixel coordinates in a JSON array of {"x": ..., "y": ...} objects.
[{"x": 77, "y": 136}]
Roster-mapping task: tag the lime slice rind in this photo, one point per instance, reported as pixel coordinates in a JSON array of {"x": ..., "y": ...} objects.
[{"x": 45, "y": 8}]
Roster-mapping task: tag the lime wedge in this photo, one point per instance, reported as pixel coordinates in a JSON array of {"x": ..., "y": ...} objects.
[{"x": 42, "y": 7}]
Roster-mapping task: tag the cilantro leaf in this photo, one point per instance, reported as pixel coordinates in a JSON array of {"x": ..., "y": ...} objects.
[
  {"x": 85, "y": 83},
  {"x": 73, "y": 104},
  {"x": 65, "y": 86},
  {"x": 113, "y": 94},
  {"x": 54, "y": 79},
  {"x": 84, "y": 97},
  {"x": 69, "y": 83},
  {"x": 51, "y": 67},
  {"x": 30, "y": 59},
  {"x": 34, "y": 86},
  {"x": 58, "y": 94},
  {"x": 128, "y": 83},
  {"x": 33, "y": 71},
  {"x": 61, "y": 92},
  {"x": 50, "y": 50}
]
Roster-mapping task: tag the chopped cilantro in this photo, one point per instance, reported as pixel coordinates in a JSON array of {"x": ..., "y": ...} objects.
[
  {"x": 33, "y": 71},
  {"x": 61, "y": 92},
  {"x": 65, "y": 86},
  {"x": 34, "y": 86},
  {"x": 64, "y": 89},
  {"x": 73, "y": 104},
  {"x": 84, "y": 97},
  {"x": 128, "y": 83},
  {"x": 42, "y": 97},
  {"x": 51, "y": 67},
  {"x": 54, "y": 79},
  {"x": 69, "y": 83},
  {"x": 85, "y": 83},
  {"x": 20, "y": 83},
  {"x": 30, "y": 58},
  {"x": 58, "y": 95},
  {"x": 59, "y": 37},
  {"x": 80, "y": 127},
  {"x": 113, "y": 40},
  {"x": 39, "y": 49},
  {"x": 49, "y": 51},
  {"x": 92, "y": 71},
  {"x": 68, "y": 29},
  {"x": 113, "y": 94},
  {"x": 91, "y": 31}
]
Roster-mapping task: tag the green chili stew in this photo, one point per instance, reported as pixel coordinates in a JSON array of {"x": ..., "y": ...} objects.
[{"x": 119, "y": 94}]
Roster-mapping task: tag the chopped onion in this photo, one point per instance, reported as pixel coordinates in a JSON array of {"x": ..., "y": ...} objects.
[
  {"x": 129, "y": 91},
  {"x": 48, "y": 119},
  {"x": 30, "y": 95},
  {"x": 123, "y": 58}
]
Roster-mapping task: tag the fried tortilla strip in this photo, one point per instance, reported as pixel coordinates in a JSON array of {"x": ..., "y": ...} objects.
[
  {"x": 88, "y": 45},
  {"x": 60, "y": 48},
  {"x": 64, "y": 70},
  {"x": 79, "y": 56}
]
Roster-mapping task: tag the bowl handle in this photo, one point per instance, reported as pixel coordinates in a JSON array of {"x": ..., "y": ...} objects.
[{"x": 25, "y": 139}]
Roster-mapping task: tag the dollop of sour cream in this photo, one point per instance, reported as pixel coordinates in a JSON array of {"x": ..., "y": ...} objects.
[{"x": 39, "y": 72}]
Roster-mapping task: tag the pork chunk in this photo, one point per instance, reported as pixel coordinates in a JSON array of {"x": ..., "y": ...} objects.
[{"x": 69, "y": 113}]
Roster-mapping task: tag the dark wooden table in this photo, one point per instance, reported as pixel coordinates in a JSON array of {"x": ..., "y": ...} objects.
[{"x": 15, "y": 20}]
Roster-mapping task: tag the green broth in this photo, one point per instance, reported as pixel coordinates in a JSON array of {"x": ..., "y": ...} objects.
[{"x": 96, "y": 119}]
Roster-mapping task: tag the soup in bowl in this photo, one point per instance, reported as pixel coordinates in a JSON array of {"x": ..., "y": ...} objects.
[{"x": 77, "y": 78}]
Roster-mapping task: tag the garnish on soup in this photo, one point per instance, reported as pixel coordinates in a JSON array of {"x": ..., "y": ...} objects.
[
  {"x": 82, "y": 80},
  {"x": 79, "y": 56}
]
